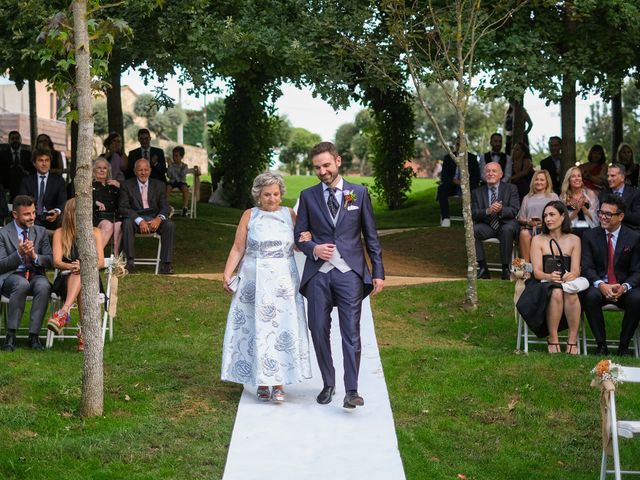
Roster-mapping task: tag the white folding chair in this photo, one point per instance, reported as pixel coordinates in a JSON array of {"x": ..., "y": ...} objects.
[
  {"x": 497, "y": 267},
  {"x": 526, "y": 338},
  {"x": 4, "y": 314},
  {"x": 620, "y": 428},
  {"x": 591, "y": 342},
  {"x": 153, "y": 261}
]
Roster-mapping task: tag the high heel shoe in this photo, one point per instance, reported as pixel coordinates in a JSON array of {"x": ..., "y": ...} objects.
[
  {"x": 553, "y": 347},
  {"x": 572, "y": 348},
  {"x": 263, "y": 394},
  {"x": 277, "y": 395}
]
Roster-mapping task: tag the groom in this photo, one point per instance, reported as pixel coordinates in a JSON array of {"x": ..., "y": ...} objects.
[{"x": 338, "y": 214}]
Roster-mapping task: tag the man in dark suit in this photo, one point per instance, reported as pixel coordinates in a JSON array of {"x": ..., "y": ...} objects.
[
  {"x": 15, "y": 163},
  {"x": 497, "y": 155},
  {"x": 25, "y": 254},
  {"x": 494, "y": 208},
  {"x": 616, "y": 176},
  {"x": 153, "y": 154},
  {"x": 144, "y": 207},
  {"x": 450, "y": 183},
  {"x": 4, "y": 208},
  {"x": 338, "y": 214},
  {"x": 49, "y": 190},
  {"x": 553, "y": 163},
  {"x": 611, "y": 263}
]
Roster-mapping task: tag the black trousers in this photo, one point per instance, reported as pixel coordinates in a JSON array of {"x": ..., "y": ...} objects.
[{"x": 593, "y": 301}]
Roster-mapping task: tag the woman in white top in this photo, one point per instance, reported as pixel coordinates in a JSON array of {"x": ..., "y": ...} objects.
[{"x": 530, "y": 214}]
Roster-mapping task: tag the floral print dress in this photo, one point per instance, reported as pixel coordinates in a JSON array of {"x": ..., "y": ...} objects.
[{"x": 266, "y": 340}]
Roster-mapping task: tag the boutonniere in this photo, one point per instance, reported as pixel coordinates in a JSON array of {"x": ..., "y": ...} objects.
[
  {"x": 626, "y": 249},
  {"x": 349, "y": 196}
]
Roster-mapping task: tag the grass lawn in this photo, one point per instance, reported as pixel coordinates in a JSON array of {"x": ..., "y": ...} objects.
[{"x": 463, "y": 401}]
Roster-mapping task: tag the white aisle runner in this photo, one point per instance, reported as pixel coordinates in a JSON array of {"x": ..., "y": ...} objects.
[{"x": 303, "y": 440}]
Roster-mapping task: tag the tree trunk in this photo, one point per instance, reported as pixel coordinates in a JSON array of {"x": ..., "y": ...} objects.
[
  {"x": 91, "y": 402},
  {"x": 115, "y": 120},
  {"x": 33, "y": 113},
  {"x": 518, "y": 121},
  {"x": 617, "y": 135},
  {"x": 568, "y": 123}
]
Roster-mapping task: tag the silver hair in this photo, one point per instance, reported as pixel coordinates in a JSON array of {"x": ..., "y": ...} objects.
[
  {"x": 93, "y": 166},
  {"x": 264, "y": 180}
]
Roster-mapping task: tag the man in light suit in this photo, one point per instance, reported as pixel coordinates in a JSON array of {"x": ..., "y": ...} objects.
[
  {"x": 615, "y": 281},
  {"x": 153, "y": 154},
  {"x": 48, "y": 189},
  {"x": 25, "y": 254},
  {"x": 616, "y": 176},
  {"x": 143, "y": 204},
  {"x": 337, "y": 214},
  {"x": 494, "y": 207}
]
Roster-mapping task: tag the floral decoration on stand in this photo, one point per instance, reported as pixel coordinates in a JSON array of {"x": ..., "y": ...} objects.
[
  {"x": 606, "y": 370},
  {"x": 521, "y": 269},
  {"x": 349, "y": 197}
]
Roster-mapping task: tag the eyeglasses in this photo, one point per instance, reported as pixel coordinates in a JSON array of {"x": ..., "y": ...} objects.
[{"x": 608, "y": 215}]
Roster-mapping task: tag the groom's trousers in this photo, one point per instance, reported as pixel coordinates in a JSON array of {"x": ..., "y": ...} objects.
[{"x": 323, "y": 292}]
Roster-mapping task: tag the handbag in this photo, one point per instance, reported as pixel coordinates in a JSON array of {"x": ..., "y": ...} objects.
[{"x": 554, "y": 263}]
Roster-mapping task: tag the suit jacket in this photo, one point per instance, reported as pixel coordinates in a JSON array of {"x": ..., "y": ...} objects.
[
  {"x": 631, "y": 199},
  {"x": 10, "y": 259},
  {"x": 158, "y": 163},
  {"x": 354, "y": 222},
  {"x": 449, "y": 168},
  {"x": 55, "y": 193},
  {"x": 626, "y": 257},
  {"x": 4, "y": 208},
  {"x": 130, "y": 200},
  {"x": 550, "y": 166},
  {"x": 507, "y": 193},
  {"x": 11, "y": 174}
]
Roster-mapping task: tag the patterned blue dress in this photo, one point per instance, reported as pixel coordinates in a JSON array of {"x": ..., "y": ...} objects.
[{"x": 266, "y": 340}]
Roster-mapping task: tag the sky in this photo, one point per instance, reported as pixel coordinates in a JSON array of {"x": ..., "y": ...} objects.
[{"x": 317, "y": 116}]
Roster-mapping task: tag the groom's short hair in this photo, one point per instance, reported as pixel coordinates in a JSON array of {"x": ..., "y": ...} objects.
[{"x": 323, "y": 147}]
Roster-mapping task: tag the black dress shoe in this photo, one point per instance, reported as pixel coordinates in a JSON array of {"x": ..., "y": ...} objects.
[
  {"x": 325, "y": 395},
  {"x": 484, "y": 273},
  {"x": 352, "y": 399},
  {"x": 34, "y": 343},
  {"x": 506, "y": 274},
  {"x": 9, "y": 343},
  {"x": 131, "y": 268},
  {"x": 602, "y": 349},
  {"x": 166, "y": 269},
  {"x": 624, "y": 352}
]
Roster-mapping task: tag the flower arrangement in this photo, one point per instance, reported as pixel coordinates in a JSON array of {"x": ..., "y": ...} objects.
[
  {"x": 520, "y": 268},
  {"x": 349, "y": 197},
  {"x": 606, "y": 370}
]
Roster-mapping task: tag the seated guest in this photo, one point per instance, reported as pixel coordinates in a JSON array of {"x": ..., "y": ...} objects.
[
  {"x": 25, "y": 254},
  {"x": 154, "y": 155},
  {"x": 522, "y": 168},
  {"x": 177, "y": 173},
  {"x": 611, "y": 263},
  {"x": 450, "y": 182},
  {"x": 496, "y": 155},
  {"x": 47, "y": 188},
  {"x": 555, "y": 257},
  {"x": 67, "y": 260},
  {"x": 625, "y": 157},
  {"x": 494, "y": 207},
  {"x": 106, "y": 195},
  {"x": 143, "y": 205},
  {"x": 4, "y": 208},
  {"x": 553, "y": 163},
  {"x": 115, "y": 156},
  {"x": 530, "y": 215},
  {"x": 594, "y": 171},
  {"x": 581, "y": 201},
  {"x": 616, "y": 175},
  {"x": 43, "y": 142},
  {"x": 15, "y": 163}
]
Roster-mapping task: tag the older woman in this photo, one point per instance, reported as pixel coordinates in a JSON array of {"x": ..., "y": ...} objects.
[
  {"x": 555, "y": 257},
  {"x": 266, "y": 342},
  {"x": 582, "y": 202},
  {"x": 530, "y": 214},
  {"x": 522, "y": 171},
  {"x": 625, "y": 157},
  {"x": 594, "y": 172},
  {"x": 115, "y": 156},
  {"x": 105, "y": 204}
]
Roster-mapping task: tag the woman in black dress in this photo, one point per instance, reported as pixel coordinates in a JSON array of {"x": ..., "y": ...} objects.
[
  {"x": 106, "y": 191},
  {"x": 555, "y": 257}
]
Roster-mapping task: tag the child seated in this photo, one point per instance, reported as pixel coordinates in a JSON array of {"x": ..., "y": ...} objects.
[{"x": 177, "y": 173}]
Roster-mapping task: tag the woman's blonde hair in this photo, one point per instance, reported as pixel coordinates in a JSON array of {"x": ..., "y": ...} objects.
[
  {"x": 548, "y": 189},
  {"x": 68, "y": 227},
  {"x": 566, "y": 183}
]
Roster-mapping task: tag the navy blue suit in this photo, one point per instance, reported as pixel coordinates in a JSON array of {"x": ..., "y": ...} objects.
[{"x": 337, "y": 288}]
